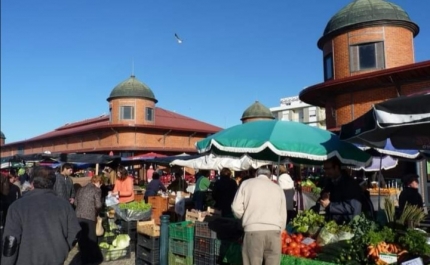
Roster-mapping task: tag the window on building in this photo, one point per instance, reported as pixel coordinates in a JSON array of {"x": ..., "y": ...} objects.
[
  {"x": 367, "y": 56},
  {"x": 127, "y": 113},
  {"x": 110, "y": 114},
  {"x": 149, "y": 114},
  {"x": 312, "y": 113},
  {"x": 20, "y": 150},
  {"x": 328, "y": 66}
]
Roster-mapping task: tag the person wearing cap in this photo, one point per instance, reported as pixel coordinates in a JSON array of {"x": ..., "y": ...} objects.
[{"x": 410, "y": 193}]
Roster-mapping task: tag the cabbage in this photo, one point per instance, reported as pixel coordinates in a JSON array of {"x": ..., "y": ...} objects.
[{"x": 121, "y": 241}]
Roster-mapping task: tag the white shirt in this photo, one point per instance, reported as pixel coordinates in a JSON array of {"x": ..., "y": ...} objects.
[{"x": 285, "y": 182}]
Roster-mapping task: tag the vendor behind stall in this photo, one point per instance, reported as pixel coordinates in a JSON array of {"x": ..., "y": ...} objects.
[
  {"x": 410, "y": 193},
  {"x": 342, "y": 197},
  {"x": 154, "y": 186},
  {"x": 223, "y": 193},
  {"x": 123, "y": 186},
  {"x": 179, "y": 184}
]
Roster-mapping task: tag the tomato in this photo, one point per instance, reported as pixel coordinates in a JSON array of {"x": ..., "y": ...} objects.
[
  {"x": 312, "y": 255},
  {"x": 293, "y": 245},
  {"x": 300, "y": 236},
  {"x": 290, "y": 252},
  {"x": 313, "y": 244},
  {"x": 296, "y": 252},
  {"x": 288, "y": 240},
  {"x": 302, "y": 245}
]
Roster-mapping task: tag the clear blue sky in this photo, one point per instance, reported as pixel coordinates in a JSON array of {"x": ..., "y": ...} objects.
[{"x": 61, "y": 59}]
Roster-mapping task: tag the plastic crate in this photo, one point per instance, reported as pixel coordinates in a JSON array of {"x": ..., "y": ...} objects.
[
  {"x": 205, "y": 245},
  {"x": 144, "y": 262},
  {"x": 202, "y": 230},
  {"x": 204, "y": 259},
  {"x": 180, "y": 260},
  {"x": 182, "y": 231},
  {"x": 151, "y": 242},
  {"x": 180, "y": 247},
  {"x": 118, "y": 254},
  {"x": 149, "y": 255}
]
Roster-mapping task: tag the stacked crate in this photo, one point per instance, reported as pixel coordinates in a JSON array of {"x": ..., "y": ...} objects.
[
  {"x": 148, "y": 243},
  {"x": 181, "y": 243},
  {"x": 159, "y": 205},
  {"x": 206, "y": 245},
  {"x": 148, "y": 249}
]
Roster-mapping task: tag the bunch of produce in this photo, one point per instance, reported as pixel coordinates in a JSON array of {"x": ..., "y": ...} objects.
[
  {"x": 135, "y": 206},
  {"x": 308, "y": 221},
  {"x": 309, "y": 186},
  {"x": 332, "y": 232},
  {"x": 296, "y": 245}
]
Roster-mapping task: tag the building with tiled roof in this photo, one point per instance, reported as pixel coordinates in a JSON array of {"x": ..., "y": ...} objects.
[
  {"x": 368, "y": 57},
  {"x": 135, "y": 125}
]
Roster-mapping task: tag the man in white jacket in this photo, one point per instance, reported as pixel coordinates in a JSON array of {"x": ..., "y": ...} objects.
[{"x": 261, "y": 205}]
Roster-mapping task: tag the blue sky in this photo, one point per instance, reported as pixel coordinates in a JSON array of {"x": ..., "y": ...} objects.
[{"x": 61, "y": 59}]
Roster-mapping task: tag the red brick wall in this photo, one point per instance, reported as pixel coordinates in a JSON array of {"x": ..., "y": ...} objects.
[
  {"x": 139, "y": 110},
  {"x": 350, "y": 106},
  {"x": 255, "y": 119},
  {"x": 398, "y": 47},
  {"x": 106, "y": 140}
]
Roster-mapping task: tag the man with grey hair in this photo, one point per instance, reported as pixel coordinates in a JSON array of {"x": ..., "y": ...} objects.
[{"x": 261, "y": 205}]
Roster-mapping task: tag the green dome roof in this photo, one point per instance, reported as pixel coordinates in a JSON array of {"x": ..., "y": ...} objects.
[
  {"x": 257, "y": 110},
  {"x": 132, "y": 88},
  {"x": 2, "y": 136},
  {"x": 364, "y": 13}
]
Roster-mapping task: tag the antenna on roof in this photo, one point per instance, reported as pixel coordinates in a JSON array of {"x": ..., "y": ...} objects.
[{"x": 132, "y": 66}]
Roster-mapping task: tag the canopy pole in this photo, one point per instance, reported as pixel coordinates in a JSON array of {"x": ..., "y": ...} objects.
[
  {"x": 379, "y": 182},
  {"x": 97, "y": 169}
]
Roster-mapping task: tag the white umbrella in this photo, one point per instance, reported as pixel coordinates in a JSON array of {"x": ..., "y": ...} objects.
[{"x": 214, "y": 162}]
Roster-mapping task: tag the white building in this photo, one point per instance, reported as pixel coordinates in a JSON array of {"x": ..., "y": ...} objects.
[{"x": 293, "y": 109}]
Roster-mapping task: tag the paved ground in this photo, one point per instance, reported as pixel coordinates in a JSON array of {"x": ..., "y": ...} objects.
[{"x": 74, "y": 259}]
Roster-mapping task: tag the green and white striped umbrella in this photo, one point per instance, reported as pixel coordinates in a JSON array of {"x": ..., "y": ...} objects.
[{"x": 276, "y": 140}]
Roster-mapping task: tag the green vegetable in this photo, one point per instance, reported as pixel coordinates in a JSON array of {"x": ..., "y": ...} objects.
[
  {"x": 135, "y": 206},
  {"x": 104, "y": 245},
  {"x": 415, "y": 242},
  {"x": 306, "y": 220}
]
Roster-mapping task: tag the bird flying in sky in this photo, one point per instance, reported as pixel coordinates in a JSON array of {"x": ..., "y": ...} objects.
[{"x": 178, "y": 39}]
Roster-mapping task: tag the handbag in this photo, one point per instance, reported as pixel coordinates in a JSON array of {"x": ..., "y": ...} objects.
[{"x": 99, "y": 227}]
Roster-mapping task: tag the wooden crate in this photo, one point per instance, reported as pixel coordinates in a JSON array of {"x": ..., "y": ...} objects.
[{"x": 149, "y": 228}]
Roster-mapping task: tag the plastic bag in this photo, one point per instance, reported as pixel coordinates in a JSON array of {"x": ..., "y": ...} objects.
[
  {"x": 325, "y": 237},
  {"x": 344, "y": 235},
  {"x": 131, "y": 215},
  {"x": 111, "y": 200}
]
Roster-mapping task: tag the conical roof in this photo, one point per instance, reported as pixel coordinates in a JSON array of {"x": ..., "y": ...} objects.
[
  {"x": 132, "y": 88},
  {"x": 257, "y": 110},
  {"x": 364, "y": 13}
]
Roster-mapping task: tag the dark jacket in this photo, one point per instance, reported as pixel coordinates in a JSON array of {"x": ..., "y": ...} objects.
[
  {"x": 223, "y": 193},
  {"x": 346, "y": 198},
  {"x": 411, "y": 196},
  {"x": 88, "y": 202},
  {"x": 64, "y": 187},
  {"x": 45, "y": 227},
  {"x": 178, "y": 184},
  {"x": 153, "y": 187}
]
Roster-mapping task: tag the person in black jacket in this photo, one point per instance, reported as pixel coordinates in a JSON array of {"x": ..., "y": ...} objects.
[
  {"x": 223, "y": 192},
  {"x": 342, "y": 197},
  {"x": 410, "y": 193}
]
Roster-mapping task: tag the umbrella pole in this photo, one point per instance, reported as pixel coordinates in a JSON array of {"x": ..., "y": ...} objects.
[
  {"x": 379, "y": 183},
  {"x": 277, "y": 169}
]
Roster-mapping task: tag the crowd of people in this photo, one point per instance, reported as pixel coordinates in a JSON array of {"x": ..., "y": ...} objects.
[{"x": 49, "y": 210}]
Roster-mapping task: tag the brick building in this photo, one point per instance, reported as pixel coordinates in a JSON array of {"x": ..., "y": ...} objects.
[
  {"x": 368, "y": 57},
  {"x": 134, "y": 126}
]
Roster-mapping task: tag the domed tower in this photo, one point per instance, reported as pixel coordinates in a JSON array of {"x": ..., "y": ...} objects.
[
  {"x": 256, "y": 111},
  {"x": 2, "y": 138},
  {"x": 366, "y": 36},
  {"x": 132, "y": 102}
]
